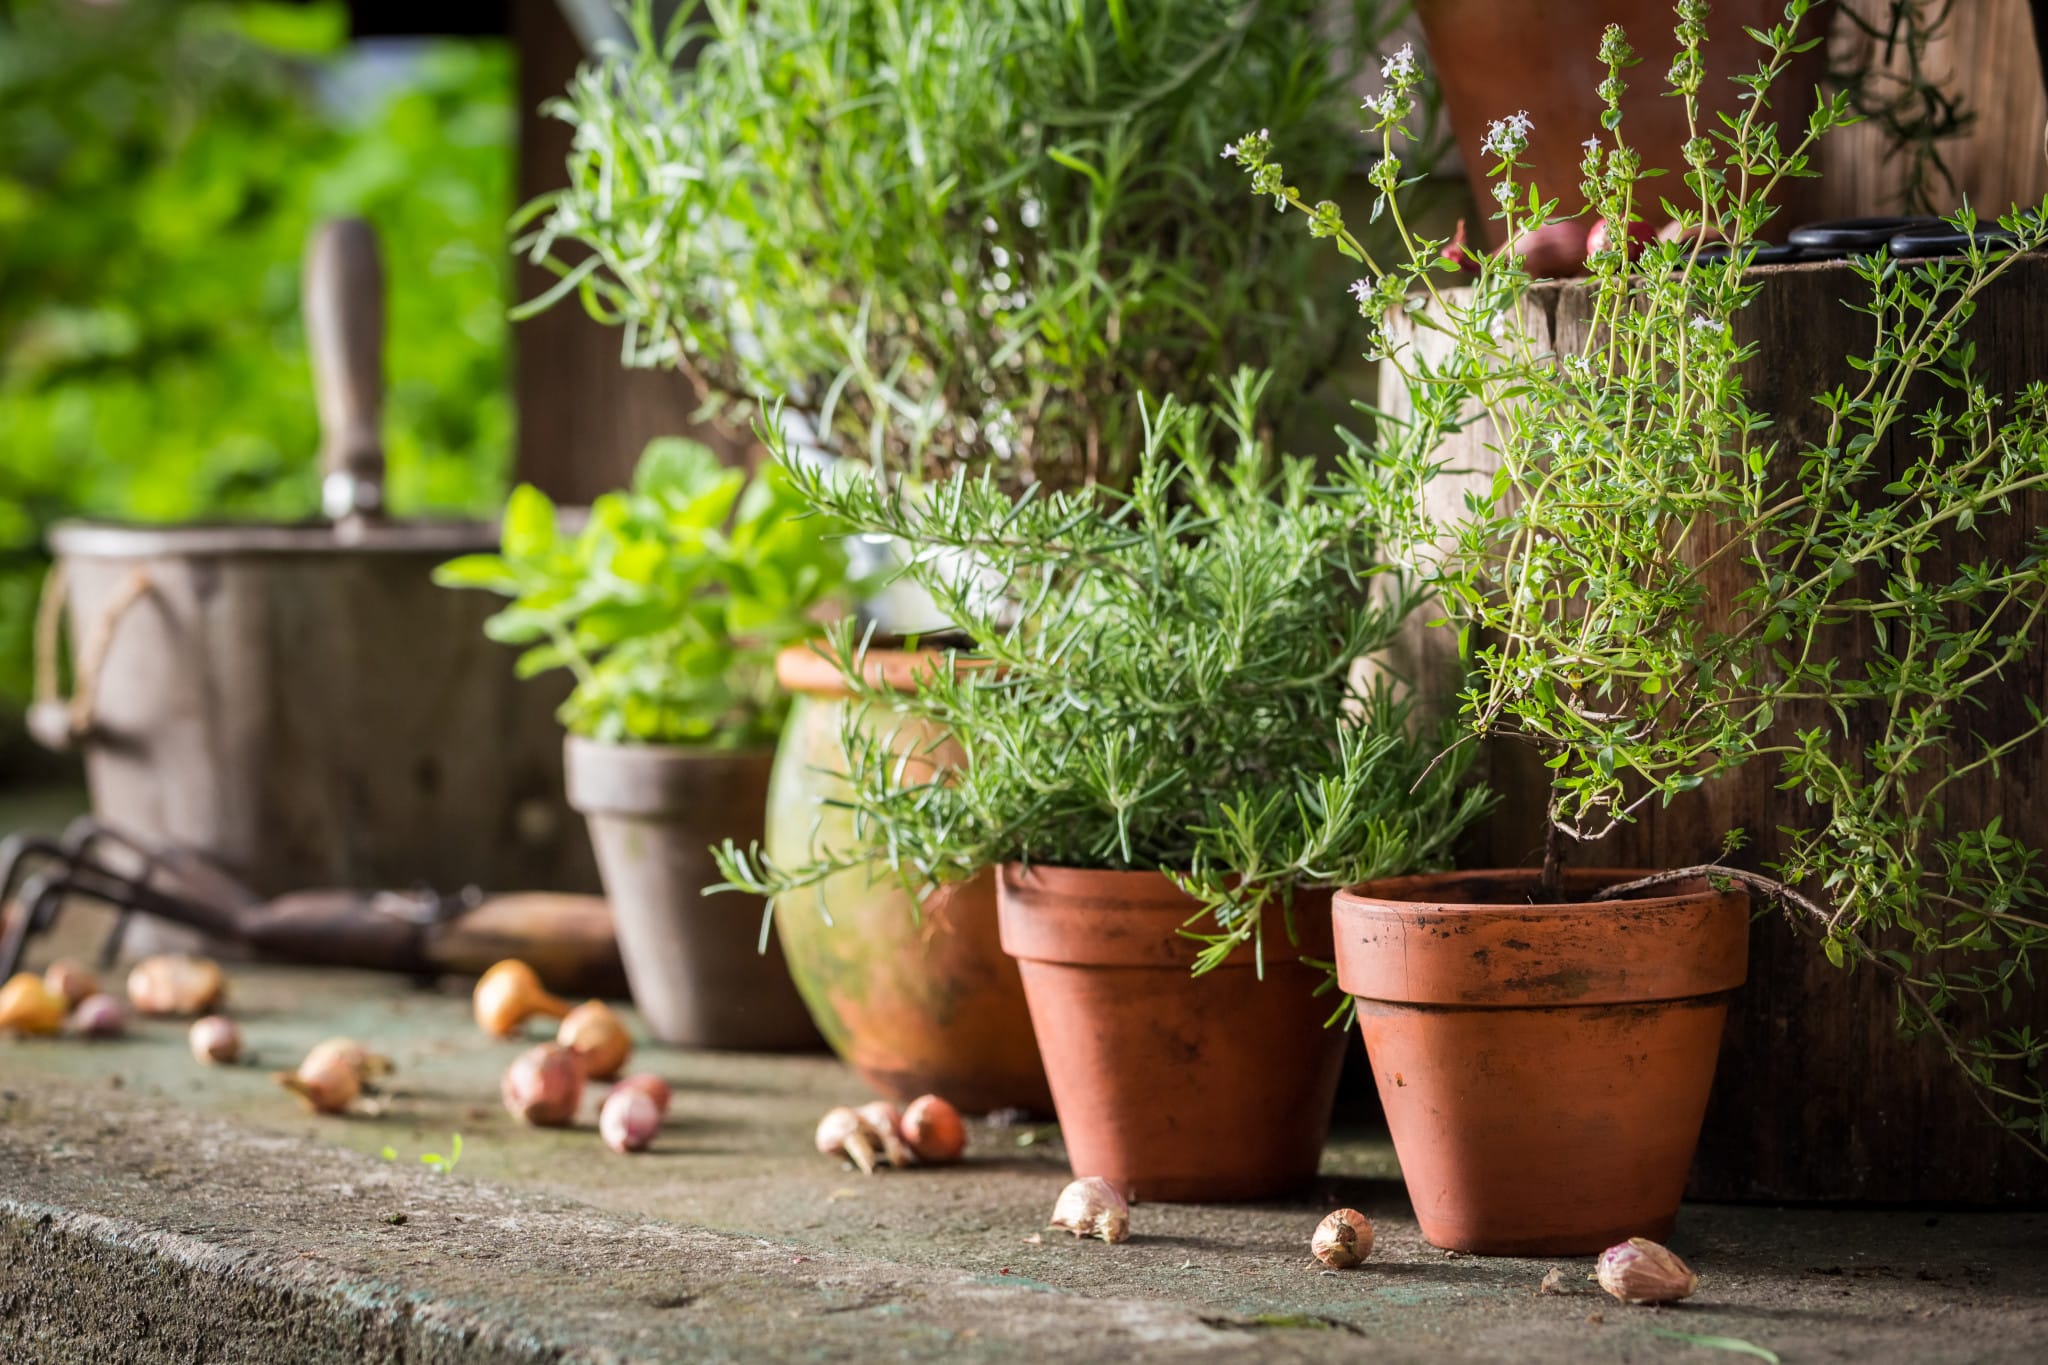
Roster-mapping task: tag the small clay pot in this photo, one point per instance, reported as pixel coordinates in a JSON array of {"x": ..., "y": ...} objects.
[
  {"x": 917, "y": 999},
  {"x": 694, "y": 961},
  {"x": 1173, "y": 1087},
  {"x": 1544, "y": 1068}
]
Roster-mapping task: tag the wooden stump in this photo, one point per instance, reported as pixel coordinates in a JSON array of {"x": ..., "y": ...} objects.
[{"x": 1817, "y": 1098}]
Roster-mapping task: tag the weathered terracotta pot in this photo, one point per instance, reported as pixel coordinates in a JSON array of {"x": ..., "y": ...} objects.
[
  {"x": 1170, "y": 1086},
  {"x": 1544, "y": 1068},
  {"x": 916, "y": 1001},
  {"x": 1492, "y": 59},
  {"x": 694, "y": 962}
]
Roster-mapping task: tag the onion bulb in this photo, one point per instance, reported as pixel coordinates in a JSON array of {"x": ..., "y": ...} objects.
[
  {"x": 216, "y": 1038},
  {"x": 99, "y": 1016},
  {"x": 598, "y": 1037},
  {"x": 176, "y": 983},
  {"x": 71, "y": 982},
  {"x": 326, "y": 1082},
  {"x": 544, "y": 1086},
  {"x": 934, "y": 1131},
  {"x": 508, "y": 995},
  {"x": 366, "y": 1065},
  {"x": 653, "y": 1087},
  {"x": 27, "y": 1005},
  {"x": 1342, "y": 1240},
  {"x": 845, "y": 1132},
  {"x": 628, "y": 1120}
]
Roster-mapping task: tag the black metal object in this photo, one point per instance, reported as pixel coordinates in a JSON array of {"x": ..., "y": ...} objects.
[{"x": 39, "y": 876}]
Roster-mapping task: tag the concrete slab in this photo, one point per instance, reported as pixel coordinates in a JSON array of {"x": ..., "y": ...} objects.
[{"x": 155, "y": 1209}]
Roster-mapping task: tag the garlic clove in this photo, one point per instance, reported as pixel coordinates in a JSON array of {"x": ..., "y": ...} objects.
[
  {"x": 848, "y": 1133},
  {"x": 628, "y": 1121},
  {"x": 29, "y": 1006},
  {"x": 215, "y": 1039},
  {"x": 1343, "y": 1239},
  {"x": 1091, "y": 1207},
  {"x": 1641, "y": 1271},
  {"x": 99, "y": 1016},
  {"x": 887, "y": 1122},
  {"x": 598, "y": 1037},
  {"x": 176, "y": 983},
  {"x": 934, "y": 1131},
  {"x": 71, "y": 982}
]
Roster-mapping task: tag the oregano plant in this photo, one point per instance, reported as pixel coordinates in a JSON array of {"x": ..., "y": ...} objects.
[{"x": 1662, "y": 585}]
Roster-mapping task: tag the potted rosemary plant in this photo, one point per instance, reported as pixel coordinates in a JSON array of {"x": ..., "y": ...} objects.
[
  {"x": 669, "y": 605},
  {"x": 1162, "y": 748},
  {"x": 1658, "y": 586},
  {"x": 939, "y": 234}
]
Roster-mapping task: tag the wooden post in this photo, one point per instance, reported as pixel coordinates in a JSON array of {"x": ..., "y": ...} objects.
[{"x": 1817, "y": 1098}]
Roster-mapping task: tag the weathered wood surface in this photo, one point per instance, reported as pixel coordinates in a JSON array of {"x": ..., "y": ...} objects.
[
  {"x": 1817, "y": 1097},
  {"x": 583, "y": 418}
]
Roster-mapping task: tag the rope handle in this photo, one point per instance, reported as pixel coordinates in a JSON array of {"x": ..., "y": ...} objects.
[{"x": 58, "y": 722}]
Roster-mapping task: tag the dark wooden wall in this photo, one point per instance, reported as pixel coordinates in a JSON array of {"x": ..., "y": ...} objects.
[{"x": 583, "y": 417}]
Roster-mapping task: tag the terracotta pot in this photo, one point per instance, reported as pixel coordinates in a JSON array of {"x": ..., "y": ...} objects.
[
  {"x": 1492, "y": 59},
  {"x": 1544, "y": 1068},
  {"x": 694, "y": 962},
  {"x": 916, "y": 1001},
  {"x": 1171, "y": 1086}
]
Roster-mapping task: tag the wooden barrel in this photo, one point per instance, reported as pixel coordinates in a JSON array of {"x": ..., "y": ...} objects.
[{"x": 1818, "y": 1098}]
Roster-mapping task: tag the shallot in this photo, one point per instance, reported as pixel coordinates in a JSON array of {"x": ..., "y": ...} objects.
[
  {"x": 99, "y": 1016},
  {"x": 887, "y": 1121},
  {"x": 27, "y": 1005},
  {"x": 1641, "y": 1271},
  {"x": 70, "y": 981},
  {"x": 1343, "y": 1239},
  {"x": 653, "y": 1087},
  {"x": 368, "y": 1066},
  {"x": 1555, "y": 251},
  {"x": 628, "y": 1120},
  {"x": 508, "y": 995},
  {"x": 1091, "y": 1207},
  {"x": 846, "y": 1132},
  {"x": 934, "y": 1131},
  {"x": 1638, "y": 236},
  {"x": 598, "y": 1037},
  {"x": 327, "y": 1082},
  {"x": 216, "y": 1038},
  {"x": 177, "y": 983},
  {"x": 544, "y": 1086}
]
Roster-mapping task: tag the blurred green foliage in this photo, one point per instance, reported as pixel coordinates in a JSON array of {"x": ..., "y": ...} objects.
[{"x": 161, "y": 166}]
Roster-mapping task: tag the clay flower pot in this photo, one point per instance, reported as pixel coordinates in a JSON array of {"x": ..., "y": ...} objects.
[
  {"x": 1544, "y": 1068},
  {"x": 694, "y": 962},
  {"x": 1492, "y": 59},
  {"x": 1171, "y": 1086},
  {"x": 917, "y": 1000}
]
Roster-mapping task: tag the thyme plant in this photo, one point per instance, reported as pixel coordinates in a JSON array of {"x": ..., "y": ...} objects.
[
  {"x": 1160, "y": 680},
  {"x": 1660, "y": 587},
  {"x": 948, "y": 232}
]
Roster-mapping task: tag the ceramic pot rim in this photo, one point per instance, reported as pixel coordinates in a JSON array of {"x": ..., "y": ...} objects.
[
  {"x": 1102, "y": 917},
  {"x": 1415, "y": 941},
  {"x": 604, "y": 778},
  {"x": 806, "y": 668}
]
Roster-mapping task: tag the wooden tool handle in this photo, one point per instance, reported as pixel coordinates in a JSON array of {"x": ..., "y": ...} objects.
[{"x": 344, "y": 304}]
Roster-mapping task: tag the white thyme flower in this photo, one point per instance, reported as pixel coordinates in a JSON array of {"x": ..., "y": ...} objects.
[
  {"x": 1400, "y": 65},
  {"x": 1707, "y": 326},
  {"x": 1361, "y": 290},
  {"x": 1507, "y": 136},
  {"x": 1503, "y": 192},
  {"x": 1591, "y": 144}
]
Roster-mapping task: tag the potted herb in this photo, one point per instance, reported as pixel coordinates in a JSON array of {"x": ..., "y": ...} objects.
[
  {"x": 943, "y": 234},
  {"x": 1657, "y": 587},
  {"x": 1162, "y": 748},
  {"x": 669, "y": 605}
]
